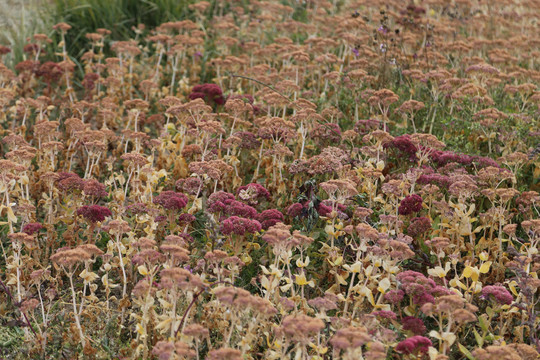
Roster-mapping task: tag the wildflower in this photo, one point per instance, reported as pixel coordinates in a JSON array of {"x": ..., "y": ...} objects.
[
  {"x": 300, "y": 327},
  {"x": 94, "y": 188},
  {"x": 253, "y": 193},
  {"x": 171, "y": 200},
  {"x": 196, "y": 331},
  {"x": 385, "y": 314},
  {"x": 295, "y": 210},
  {"x": 414, "y": 324},
  {"x": 239, "y": 226},
  {"x": 410, "y": 204},
  {"x": 350, "y": 338},
  {"x": 394, "y": 296},
  {"x": 210, "y": 93},
  {"x": 32, "y": 228},
  {"x": 497, "y": 293},
  {"x": 418, "y": 226},
  {"x": 414, "y": 345},
  {"x": 225, "y": 354},
  {"x": 94, "y": 213},
  {"x": 269, "y": 218},
  {"x": 404, "y": 145}
]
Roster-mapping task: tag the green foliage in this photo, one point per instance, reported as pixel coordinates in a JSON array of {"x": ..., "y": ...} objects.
[
  {"x": 119, "y": 16},
  {"x": 20, "y": 22}
]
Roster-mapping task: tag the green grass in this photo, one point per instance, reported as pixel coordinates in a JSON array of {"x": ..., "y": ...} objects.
[
  {"x": 20, "y": 20},
  {"x": 118, "y": 16}
]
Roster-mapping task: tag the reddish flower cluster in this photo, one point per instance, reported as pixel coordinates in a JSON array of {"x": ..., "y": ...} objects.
[
  {"x": 418, "y": 226},
  {"x": 210, "y": 93},
  {"x": 295, "y": 210},
  {"x": 414, "y": 345},
  {"x": 171, "y": 200},
  {"x": 421, "y": 289},
  {"x": 414, "y": 324},
  {"x": 253, "y": 193},
  {"x": 239, "y": 226},
  {"x": 404, "y": 145},
  {"x": 69, "y": 182},
  {"x": 498, "y": 293},
  {"x": 94, "y": 213},
  {"x": 441, "y": 158},
  {"x": 411, "y": 203},
  {"x": 32, "y": 228},
  {"x": 437, "y": 179},
  {"x": 225, "y": 204},
  {"x": 269, "y": 218}
]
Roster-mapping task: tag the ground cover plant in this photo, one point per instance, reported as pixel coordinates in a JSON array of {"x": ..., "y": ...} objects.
[{"x": 273, "y": 180}]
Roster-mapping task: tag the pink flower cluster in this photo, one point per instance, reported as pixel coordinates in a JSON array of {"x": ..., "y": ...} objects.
[
  {"x": 239, "y": 226},
  {"x": 498, "y": 293},
  {"x": 421, "y": 289},
  {"x": 414, "y": 345},
  {"x": 269, "y": 218},
  {"x": 418, "y": 226},
  {"x": 171, "y": 200},
  {"x": 210, "y": 93}
]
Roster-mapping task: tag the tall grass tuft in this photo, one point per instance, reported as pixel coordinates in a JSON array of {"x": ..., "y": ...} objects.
[
  {"x": 119, "y": 16},
  {"x": 20, "y": 20}
]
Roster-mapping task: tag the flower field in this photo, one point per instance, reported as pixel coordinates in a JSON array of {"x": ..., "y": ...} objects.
[{"x": 275, "y": 180}]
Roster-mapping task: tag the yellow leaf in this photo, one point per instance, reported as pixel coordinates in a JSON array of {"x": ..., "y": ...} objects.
[
  {"x": 468, "y": 272},
  {"x": 301, "y": 280},
  {"x": 143, "y": 270},
  {"x": 485, "y": 267},
  {"x": 512, "y": 286},
  {"x": 384, "y": 284},
  {"x": 11, "y": 215},
  {"x": 164, "y": 324}
]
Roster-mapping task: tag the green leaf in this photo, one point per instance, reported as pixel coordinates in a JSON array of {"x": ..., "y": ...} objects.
[
  {"x": 483, "y": 322},
  {"x": 479, "y": 338},
  {"x": 465, "y": 352}
]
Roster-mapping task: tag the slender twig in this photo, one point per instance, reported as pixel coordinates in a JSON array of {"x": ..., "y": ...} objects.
[
  {"x": 194, "y": 300},
  {"x": 263, "y": 84},
  {"x": 22, "y": 312}
]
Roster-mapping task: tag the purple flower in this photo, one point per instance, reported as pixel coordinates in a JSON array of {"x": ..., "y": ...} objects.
[
  {"x": 216, "y": 202},
  {"x": 414, "y": 324},
  {"x": 498, "y": 293},
  {"x": 32, "y": 228},
  {"x": 394, "y": 296},
  {"x": 295, "y": 210},
  {"x": 137, "y": 208},
  {"x": 171, "y": 200},
  {"x": 252, "y": 193},
  {"x": 94, "y": 213},
  {"x": 94, "y": 188},
  {"x": 417, "y": 286},
  {"x": 210, "y": 93},
  {"x": 239, "y": 226},
  {"x": 186, "y": 219},
  {"x": 411, "y": 203},
  {"x": 270, "y": 218},
  {"x": 69, "y": 181},
  {"x": 414, "y": 345},
  {"x": 404, "y": 144},
  {"x": 437, "y": 179},
  {"x": 418, "y": 226},
  {"x": 356, "y": 52},
  {"x": 385, "y": 314}
]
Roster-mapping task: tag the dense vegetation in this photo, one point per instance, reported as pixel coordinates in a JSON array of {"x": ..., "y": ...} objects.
[{"x": 272, "y": 180}]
